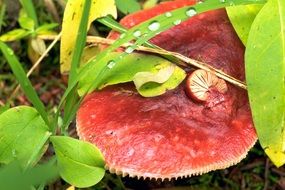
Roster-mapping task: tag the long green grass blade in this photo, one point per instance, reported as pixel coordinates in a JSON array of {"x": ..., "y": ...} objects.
[
  {"x": 72, "y": 98},
  {"x": 30, "y": 10},
  {"x": 24, "y": 81},
  {"x": 113, "y": 24},
  {"x": 2, "y": 14},
  {"x": 80, "y": 41}
]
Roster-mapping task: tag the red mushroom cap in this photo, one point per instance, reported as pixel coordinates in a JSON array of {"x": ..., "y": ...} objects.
[{"x": 172, "y": 136}]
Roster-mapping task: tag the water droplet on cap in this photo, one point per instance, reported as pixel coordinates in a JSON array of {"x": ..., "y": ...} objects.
[
  {"x": 111, "y": 64},
  {"x": 153, "y": 26},
  {"x": 191, "y": 12},
  {"x": 222, "y": 1}
]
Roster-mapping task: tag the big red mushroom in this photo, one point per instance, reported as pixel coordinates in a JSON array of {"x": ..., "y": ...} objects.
[{"x": 172, "y": 136}]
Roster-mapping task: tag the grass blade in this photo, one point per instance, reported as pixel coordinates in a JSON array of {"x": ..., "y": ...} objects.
[
  {"x": 30, "y": 10},
  {"x": 72, "y": 98},
  {"x": 2, "y": 14},
  {"x": 80, "y": 41},
  {"x": 24, "y": 81},
  {"x": 113, "y": 24}
]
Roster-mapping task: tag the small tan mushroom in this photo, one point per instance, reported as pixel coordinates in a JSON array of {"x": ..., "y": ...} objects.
[{"x": 200, "y": 83}]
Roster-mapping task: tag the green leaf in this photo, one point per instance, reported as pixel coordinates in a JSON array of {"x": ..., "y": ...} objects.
[
  {"x": 154, "y": 86},
  {"x": 46, "y": 28},
  {"x": 40, "y": 174},
  {"x": 23, "y": 135},
  {"x": 265, "y": 72},
  {"x": 30, "y": 10},
  {"x": 161, "y": 76},
  {"x": 242, "y": 18},
  {"x": 80, "y": 163},
  {"x": 128, "y": 6},
  {"x": 15, "y": 34},
  {"x": 2, "y": 14},
  {"x": 71, "y": 21},
  {"x": 124, "y": 70},
  {"x": 25, "y": 21},
  {"x": 25, "y": 83}
]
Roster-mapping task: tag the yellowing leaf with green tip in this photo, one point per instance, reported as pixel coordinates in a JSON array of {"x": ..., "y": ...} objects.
[
  {"x": 132, "y": 67},
  {"x": 265, "y": 76},
  {"x": 71, "y": 22}
]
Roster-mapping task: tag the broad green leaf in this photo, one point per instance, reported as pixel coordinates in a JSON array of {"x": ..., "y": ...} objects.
[
  {"x": 242, "y": 18},
  {"x": 80, "y": 163},
  {"x": 128, "y": 6},
  {"x": 71, "y": 21},
  {"x": 265, "y": 72},
  {"x": 13, "y": 35},
  {"x": 40, "y": 174},
  {"x": 25, "y": 21},
  {"x": 23, "y": 134},
  {"x": 124, "y": 70},
  {"x": 25, "y": 83},
  {"x": 161, "y": 76},
  {"x": 30, "y": 10},
  {"x": 155, "y": 88}
]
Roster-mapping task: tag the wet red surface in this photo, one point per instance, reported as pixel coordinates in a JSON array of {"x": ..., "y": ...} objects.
[{"x": 172, "y": 135}]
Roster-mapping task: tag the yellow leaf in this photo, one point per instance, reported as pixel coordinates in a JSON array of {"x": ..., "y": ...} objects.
[
  {"x": 276, "y": 156},
  {"x": 71, "y": 188},
  {"x": 71, "y": 21}
]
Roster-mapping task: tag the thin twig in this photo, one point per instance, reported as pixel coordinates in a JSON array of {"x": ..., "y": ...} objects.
[
  {"x": 55, "y": 40},
  {"x": 266, "y": 173},
  {"x": 279, "y": 172},
  {"x": 195, "y": 63}
]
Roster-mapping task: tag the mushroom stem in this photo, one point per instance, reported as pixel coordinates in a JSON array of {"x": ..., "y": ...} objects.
[{"x": 195, "y": 63}]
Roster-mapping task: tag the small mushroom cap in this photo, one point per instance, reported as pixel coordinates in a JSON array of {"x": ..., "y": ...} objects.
[
  {"x": 171, "y": 136},
  {"x": 200, "y": 83}
]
